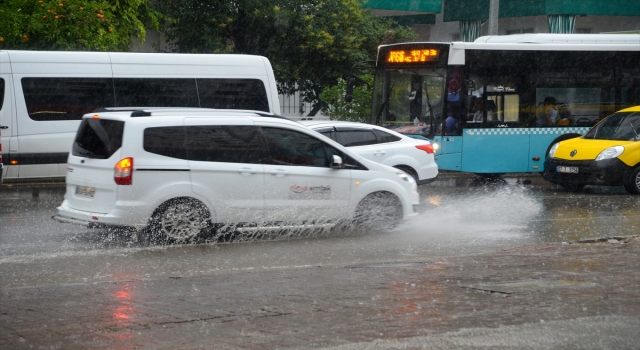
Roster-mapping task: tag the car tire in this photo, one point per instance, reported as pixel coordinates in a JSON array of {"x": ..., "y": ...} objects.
[
  {"x": 180, "y": 220},
  {"x": 571, "y": 187},
  {"x": 378, "y": 211},
  {"x": 632, "y": 185}
]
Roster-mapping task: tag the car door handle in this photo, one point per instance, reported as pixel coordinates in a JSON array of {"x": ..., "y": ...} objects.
[
  {"x": 279, "y": 172},
  {"x": 379, "y": 153},
  {"x": 247, "y": 171}
]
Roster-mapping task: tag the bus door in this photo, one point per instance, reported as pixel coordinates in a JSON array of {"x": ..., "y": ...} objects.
[
  {"x": 495, "y": 142},
  {"x": 449, "y": 139}
]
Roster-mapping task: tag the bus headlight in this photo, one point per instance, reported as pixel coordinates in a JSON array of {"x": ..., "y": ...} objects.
[
  {"x": 552, "y": 150},
  {"x": 611, "y": 152}
]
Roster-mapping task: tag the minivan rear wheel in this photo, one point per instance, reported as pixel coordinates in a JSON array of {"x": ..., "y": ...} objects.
[
  {"x": 180, "y": 220},
  {"x": 378, "y": 211},
  {"x": 632, "y": 185}
]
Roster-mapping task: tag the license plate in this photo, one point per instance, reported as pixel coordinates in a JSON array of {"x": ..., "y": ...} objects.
[
  {"x": 567, "y": 169},
  {"x": 85, "y": 191}
]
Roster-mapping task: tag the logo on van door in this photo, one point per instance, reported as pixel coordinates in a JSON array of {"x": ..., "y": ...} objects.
[{"x": 298, "y": 189}]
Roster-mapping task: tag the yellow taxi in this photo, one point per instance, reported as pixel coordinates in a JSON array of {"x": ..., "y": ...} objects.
[{"x": 607, "y": 155}]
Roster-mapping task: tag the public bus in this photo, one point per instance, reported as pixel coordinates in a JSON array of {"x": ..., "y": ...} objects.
[{"x": 494, "y": 90}]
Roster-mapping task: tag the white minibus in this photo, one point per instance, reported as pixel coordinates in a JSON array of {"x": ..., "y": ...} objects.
[{"x": 43, "y": 95}]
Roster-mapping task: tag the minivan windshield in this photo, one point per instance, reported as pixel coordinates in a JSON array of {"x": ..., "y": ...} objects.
[
  {"x": 98, "y": 138},
  {"x": 619, "y": 126}
]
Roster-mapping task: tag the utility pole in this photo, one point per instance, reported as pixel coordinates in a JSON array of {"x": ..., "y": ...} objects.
[{"x": 494, "y": 9}]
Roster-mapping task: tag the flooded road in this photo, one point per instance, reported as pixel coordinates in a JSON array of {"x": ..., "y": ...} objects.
[{"x": 460, "y": 215}]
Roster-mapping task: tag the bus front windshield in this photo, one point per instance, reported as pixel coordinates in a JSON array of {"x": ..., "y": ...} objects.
[
  {"x": 620, "y": 126},
  {"x": 409, "y": 96}
]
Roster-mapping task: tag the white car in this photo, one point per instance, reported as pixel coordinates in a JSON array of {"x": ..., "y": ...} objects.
[
  {"x": 182, "y": 172},
  {"x": 413, "y": 156}
]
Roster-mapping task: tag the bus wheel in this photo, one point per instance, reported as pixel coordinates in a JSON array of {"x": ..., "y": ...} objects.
[
  {"x": 378, "y": 211},
  {"x": 490, "y": 175},
  {"x": 572, "y": 187},
  {"x": 633, "y": 182}
]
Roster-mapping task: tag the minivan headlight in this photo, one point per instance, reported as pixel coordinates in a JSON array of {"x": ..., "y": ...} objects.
[
  {"x": 552, "y": 150},
  {"x": 611, "y": 152},
  {"x": 405, "y": 176}
]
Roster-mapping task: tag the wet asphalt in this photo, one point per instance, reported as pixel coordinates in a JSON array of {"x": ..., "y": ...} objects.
[{"x": 484, "y": 265}]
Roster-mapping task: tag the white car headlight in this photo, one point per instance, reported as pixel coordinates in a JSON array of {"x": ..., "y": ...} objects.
[
  {"x": 611, "y": 152},
  {"x": 405, "y": 176},
  {"x": 552, "y": 150}
]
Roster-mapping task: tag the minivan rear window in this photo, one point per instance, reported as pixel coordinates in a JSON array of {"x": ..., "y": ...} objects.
[{"x": 98, "y": 138}]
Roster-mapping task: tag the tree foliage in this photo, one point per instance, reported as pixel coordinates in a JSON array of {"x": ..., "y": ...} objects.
[
  {"x": 311, "y": 43},
  {"x": 74, "y": 24},
  {"x": 357, "y": 110}
]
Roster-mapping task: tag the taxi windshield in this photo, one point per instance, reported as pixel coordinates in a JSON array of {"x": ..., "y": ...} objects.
[{"x": 620, "y": 126}]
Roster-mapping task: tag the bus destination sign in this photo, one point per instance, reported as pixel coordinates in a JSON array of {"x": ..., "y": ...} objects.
[{"x": 413, "y": 56}]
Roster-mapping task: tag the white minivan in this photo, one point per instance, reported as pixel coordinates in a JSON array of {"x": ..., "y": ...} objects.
[
  {"x": 182, "y": 172},
  {"x": 44, "y": 94}
]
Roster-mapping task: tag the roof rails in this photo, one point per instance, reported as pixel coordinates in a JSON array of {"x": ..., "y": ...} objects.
[{"x": 148, "y": 111}]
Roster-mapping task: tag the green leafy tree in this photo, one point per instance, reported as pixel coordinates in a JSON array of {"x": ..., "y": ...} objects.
[
  {"x": 310, "y": 43},
  {"x": 99, "y": 25},
  {"x": 358, "y": 110}
]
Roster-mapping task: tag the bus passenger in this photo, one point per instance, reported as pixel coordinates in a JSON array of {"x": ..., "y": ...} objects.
[
  {"x": 451, "y": 125},
  {"x": 549, "y": 113}
]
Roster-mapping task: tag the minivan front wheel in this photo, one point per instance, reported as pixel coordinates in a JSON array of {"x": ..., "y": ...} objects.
[
  {"x": 632, "y": 185},
  {"x": 180, "y": 220},
  {"x": 378, "y": 211}
]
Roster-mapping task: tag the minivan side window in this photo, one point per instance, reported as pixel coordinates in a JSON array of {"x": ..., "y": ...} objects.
[
  {"x": 154, "y": 92},
  {"x": 65, "y": 98},
  {"x": 356, "y": 137},
  {"x": 233, "y": 94},
  {"x": 290, "y": 147},
  {"x": 98, "y": 138},
  {"x": 225, "y": 143},
  {"x": 168, "y": 141}
]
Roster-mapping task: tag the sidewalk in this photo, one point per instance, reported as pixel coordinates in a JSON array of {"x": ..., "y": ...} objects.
[{"x": 332, "y": 306}]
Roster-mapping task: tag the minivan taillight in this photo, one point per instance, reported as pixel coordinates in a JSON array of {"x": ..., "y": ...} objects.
[
  {"x": 427, "y": 148},
  {"x": 123, "y": 171}
]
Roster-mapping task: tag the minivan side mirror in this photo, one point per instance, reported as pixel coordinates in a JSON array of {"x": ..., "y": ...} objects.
[{"x": 336, "y": 162}]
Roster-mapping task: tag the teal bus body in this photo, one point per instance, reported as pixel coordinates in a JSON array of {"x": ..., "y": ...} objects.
[
  {"x": 510, "y": 97},
  {"x": 499, "y": 150}
]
